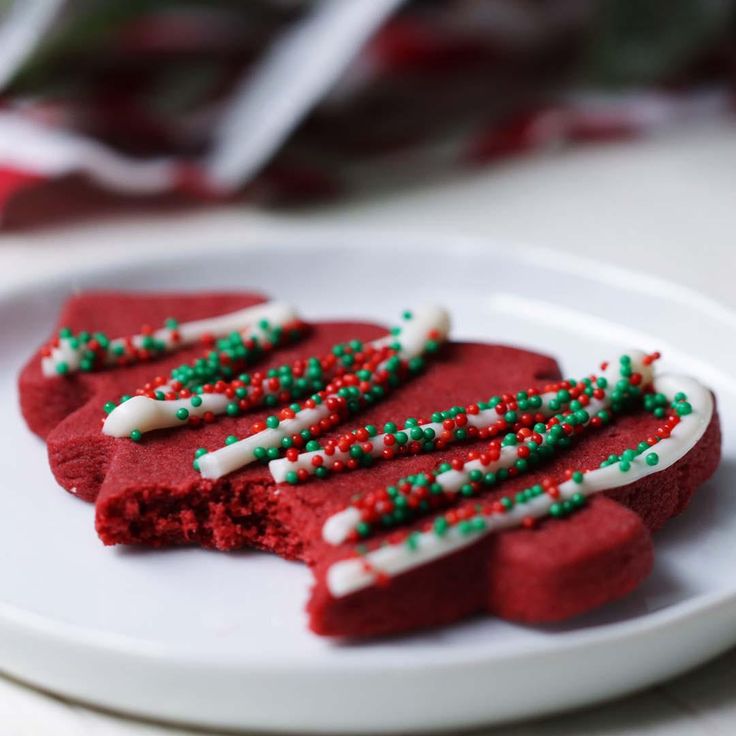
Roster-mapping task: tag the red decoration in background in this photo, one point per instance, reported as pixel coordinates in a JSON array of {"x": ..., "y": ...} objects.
[
  {"x": 13, "y": 181},
  {"x": 439, "y": 86}
]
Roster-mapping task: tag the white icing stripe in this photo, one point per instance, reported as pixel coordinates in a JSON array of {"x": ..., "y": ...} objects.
[
  {"x": 189, "y": 333},
  {"x": 350, "y": 575},
  {"x": 412, "y": 340},
  {"x": 275, "y": 313},
  {"x": 146, "y": 414},
  {"x": 483, "y": 419},
  {"x": 279, "y": 468},
  {"x": 227, "y": 459},
  {"x": 338, "y": 527},
  {"x": 413, "y": 335}
]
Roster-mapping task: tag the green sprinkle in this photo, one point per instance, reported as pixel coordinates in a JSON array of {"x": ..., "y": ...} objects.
[
  {"x": 440, "y": 526},
  {"x": 416, "y": 433},
  {"x": 412, "y": 541}
]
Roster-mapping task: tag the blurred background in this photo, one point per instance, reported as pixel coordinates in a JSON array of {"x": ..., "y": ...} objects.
[
  {"x": 109, "y": 106},
  {"x": 600, "y": 129}
]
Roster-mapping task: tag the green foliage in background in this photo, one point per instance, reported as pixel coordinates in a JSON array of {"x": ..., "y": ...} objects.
[
  {"x": 637, "y": 42},
  {"x": 627, "y": 42}
]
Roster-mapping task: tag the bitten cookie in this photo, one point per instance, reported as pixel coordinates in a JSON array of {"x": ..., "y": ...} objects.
[{"x": 423, "y": 480}]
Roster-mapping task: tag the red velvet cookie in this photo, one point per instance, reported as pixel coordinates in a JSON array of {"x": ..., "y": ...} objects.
[
  {"x": 578, "y": 547},
  {"x": 45, "y": 402},
  {"x": 555, "y": 569}
]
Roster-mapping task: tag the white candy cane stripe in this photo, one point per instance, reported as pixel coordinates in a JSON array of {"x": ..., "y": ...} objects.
[
  {"x": 350, "y": 575},
  {"x": 186, "y": 333},
  {"x": 30, "y": 146},
  {"x": 412, "y": 339}
]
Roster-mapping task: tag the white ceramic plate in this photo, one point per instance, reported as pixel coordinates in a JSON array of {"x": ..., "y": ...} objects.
[{"x": 220, "y": 639}]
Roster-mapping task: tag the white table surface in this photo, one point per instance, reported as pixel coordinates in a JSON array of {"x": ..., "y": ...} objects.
[{"x": 666, "y": 205}]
